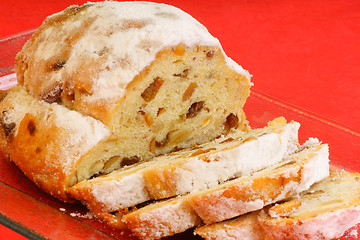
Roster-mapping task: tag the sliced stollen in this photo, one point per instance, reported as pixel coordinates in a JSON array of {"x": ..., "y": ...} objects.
[
  {"x": 151, "y": 73},
  {"x": 325, "y": 211},
  {"x": 46, "y": 141},
  {"x": 190, "y": 170},
  {"x": 244, "y": 227},
  {"x": 265, "y": 187},
  {"x": 242, "y": 195}
]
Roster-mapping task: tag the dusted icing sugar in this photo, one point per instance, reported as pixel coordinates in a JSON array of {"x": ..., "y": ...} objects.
[
  {"x": 163, "y": 219},
  {"x": 131, "y": 34},
  {"x": 322, "y": 167},
  {"x": 81, "y": 134},
  {"x": 76, "y": 133},
  {"x": 296, "y": 170},
  {"x": 330, "y": 225},
  {"x": 253, "y": 155},
  {"x": 121, "y": 193}
]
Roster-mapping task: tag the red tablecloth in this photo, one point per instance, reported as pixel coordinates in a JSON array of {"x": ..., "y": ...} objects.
[{"x": 306, "y": 53}]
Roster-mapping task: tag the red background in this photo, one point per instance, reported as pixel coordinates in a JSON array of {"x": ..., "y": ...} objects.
[{"x": 306, "y": 53}]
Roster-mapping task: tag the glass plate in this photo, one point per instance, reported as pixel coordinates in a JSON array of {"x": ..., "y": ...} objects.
[{"x": 31, "y": 212}]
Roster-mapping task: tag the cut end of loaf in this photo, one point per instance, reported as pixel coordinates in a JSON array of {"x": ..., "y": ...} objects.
[{"x": 181, "y": 100}]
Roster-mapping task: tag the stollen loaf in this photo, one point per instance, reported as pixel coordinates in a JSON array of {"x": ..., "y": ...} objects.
[
  {"x": 151, "y": 73},
  {"x": 130, "y": 81}
]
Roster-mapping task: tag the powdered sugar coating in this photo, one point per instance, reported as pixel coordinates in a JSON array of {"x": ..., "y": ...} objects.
[
  {"x": 327, "y": 210},
  {"x": 353, "y": 233},
  {"x": 122, "y": 193},
  {"x": 130, "y": 34},
  {"x": 253, "y": 155},
  {"x": 322, "y": 169},
  {"x": 245, "y": 227},
  {"x": 163, "y": 220},
  {"x": 77, "y": 133},
  {"x": 82, "y": 134},
  {"x": 224, "y": 202},
  {"x": 340, "y": 215},
  {"x": 329, "y": 225}
]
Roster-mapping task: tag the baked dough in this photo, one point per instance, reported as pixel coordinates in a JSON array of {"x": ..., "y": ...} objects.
[
  {"x": 233, "y": 198},
  {"x": 47, "y": 141},
  {"x": 270, "y": 185},
  {"x": 325, "y": 211},
  {"x": 148, "y": 78},
  {"x": 190, "y": 170},
  {"x": 151, "y": 73},
  {"x": 245, "y": 227}
]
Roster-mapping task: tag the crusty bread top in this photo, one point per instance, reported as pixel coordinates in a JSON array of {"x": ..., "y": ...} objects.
[{"x": 98, "y": 48}]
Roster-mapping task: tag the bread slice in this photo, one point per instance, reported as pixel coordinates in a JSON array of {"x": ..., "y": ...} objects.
[
  {"x": 265, "y": 187},
  {"x": 190, "y": 170},
  {"x": 244, "y": 227},
  {"x": 239, "y": 196},
  {"x": 325, "y": 211},
  {"x": 151, "y": 73},
  {"x": 47, "y": 141}
]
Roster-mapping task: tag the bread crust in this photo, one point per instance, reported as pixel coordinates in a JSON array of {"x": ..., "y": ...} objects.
[
  {"x": 162, "y": 219},
  {"x": 263, "y": 188}
]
